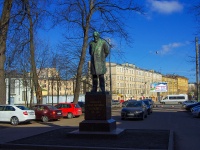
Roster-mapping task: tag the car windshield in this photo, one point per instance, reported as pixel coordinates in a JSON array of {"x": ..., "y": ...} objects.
[
  {"x": 77, "y": 106},
  {"x": 52, "y": 107},
  {"x": 22, "y": 107},
  {"x": 134, "y": 104}
]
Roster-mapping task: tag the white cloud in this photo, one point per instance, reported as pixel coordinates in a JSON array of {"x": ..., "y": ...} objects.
[
  {"x": 169, "y": 47},
  {"x": 165, "y": 6}
]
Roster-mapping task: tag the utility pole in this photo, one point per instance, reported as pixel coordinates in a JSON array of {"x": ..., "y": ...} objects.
[{"x": 197, "y": 66}]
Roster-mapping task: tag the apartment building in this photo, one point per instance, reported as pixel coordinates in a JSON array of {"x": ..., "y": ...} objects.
[
  {"x": 129, "y": 81},
  {"x": 176, "y": 84}
]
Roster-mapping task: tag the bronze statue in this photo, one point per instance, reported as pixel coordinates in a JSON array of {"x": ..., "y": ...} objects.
[{"x": 98, "y": 50}]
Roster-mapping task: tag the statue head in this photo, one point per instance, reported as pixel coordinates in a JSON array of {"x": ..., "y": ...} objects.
[{"x": 96, "y": 36}]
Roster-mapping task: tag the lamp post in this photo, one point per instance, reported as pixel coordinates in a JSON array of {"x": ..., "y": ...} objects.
[
  {"x": 52, "y": 82},
  {"x": 110, "y": 73},
  {"x": 9, "y": 81},
  {"x": 125, "y": 82}
]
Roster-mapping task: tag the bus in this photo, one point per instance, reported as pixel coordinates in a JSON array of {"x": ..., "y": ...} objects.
[{"x": 174, "y": 99}]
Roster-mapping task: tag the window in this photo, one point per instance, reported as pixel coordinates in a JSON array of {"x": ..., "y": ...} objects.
[
  {"x": 66, "y": 106},
  {"x": 172, "y": 97},
  {"x": 9, "y": 108},
  {"x": 180, "y": 97},
  {"x": 12, "y": 87}
]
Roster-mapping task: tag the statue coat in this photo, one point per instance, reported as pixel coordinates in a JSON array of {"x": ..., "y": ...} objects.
[{"x": 98, "y": 51}]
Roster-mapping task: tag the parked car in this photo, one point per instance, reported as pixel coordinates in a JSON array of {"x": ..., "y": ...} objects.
[
  {"x": 125, "y": 102},
  {"x": 134, "y": 109},
  {"x": 151, "y": 102},
  {"x": 69, "y": 110},
  {"x": 115, "y": 103},
  {"x": 188, "y": 102},
  {"x": 149, "y": 106},
  {"x": 82, "y": 105},
  {"x": 188, "y": 107},
  {"x": 46, "y": 112},
  {"x": 16, "y": 114},
  {"x": 194, "y": 108},
  {"x": 196, "y": 111}
]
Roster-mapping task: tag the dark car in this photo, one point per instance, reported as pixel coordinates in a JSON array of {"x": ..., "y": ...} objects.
[
  {"x": 134, "y": 109},
  {"x": 151, "y": 102},
  {"x": 188, "y": 102},
  {"x": 188, "y": 107},
  {"x": 47, "y": 112},
  {"x": 149, "y": 106},
  {"x": 82, "y": 105},
  {"x": 125, "y": 102}
]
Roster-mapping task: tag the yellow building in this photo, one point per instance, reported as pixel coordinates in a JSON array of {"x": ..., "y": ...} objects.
[
  {"x": 129, "y": 81},
  {"x": 176, "y": 84}
]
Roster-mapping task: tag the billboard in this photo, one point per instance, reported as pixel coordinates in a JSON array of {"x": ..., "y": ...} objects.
[{"x": 158, "y": 87}]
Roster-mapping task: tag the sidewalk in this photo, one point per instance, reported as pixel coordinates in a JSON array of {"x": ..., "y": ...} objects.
[
  {"x": 56, "y": 137},
  {"x": 16, "y": 133}
]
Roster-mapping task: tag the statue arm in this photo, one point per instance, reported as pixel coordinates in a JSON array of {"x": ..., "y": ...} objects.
[{"x": 106, "y": 49}]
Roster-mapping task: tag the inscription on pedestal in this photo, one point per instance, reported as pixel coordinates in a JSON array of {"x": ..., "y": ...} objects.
[{"x": 97, "y": 106}]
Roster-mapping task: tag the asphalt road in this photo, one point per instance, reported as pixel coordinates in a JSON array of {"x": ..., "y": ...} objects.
[{"x": 165, "y": 117}]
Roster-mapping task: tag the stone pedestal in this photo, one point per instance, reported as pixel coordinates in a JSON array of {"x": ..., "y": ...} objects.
[
  {"x": 97, "y": 113},
  {"x": 98, "y": 119}
]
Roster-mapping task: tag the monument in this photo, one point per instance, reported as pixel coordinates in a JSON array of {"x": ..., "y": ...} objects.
[{"x": 98, "y": 119}]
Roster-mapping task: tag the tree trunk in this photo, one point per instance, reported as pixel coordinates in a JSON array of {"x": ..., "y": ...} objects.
[
  {"x": 38, "y": 89},
  {"x": 79, "y": 71},
  {"x": 83, "y": 53},
  {"x": 4, "y": 24}
]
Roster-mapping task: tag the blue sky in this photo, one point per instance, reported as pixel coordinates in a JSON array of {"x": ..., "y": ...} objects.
[{"x": 163, "y": 38}]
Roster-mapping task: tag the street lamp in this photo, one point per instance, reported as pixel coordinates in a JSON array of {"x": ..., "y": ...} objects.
[{"x": 110, "y": 73}]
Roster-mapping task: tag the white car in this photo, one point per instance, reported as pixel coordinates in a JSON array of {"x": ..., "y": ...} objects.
[{"x": 16, "y": 114}]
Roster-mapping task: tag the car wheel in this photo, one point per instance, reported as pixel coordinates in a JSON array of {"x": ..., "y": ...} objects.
[
  {"x": 45, "y": 119},
  {"x": 69, "y": 115},
  {"x": 14, "y": 121}
]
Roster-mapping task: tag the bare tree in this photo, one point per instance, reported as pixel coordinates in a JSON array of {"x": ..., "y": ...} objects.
[
  {"x": 196, "y": 11},
  {"x": 4, "y": 24},
  {"x": 82, "y": 17}
]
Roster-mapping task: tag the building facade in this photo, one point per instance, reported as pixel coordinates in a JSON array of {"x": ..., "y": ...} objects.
[
  {"x": 130, "y": 82},
  {"x": 124, "y": 81},
  {"x": 176, "y": 84}
]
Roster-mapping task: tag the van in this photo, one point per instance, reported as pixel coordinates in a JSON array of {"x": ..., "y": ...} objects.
[{"x": 174, "y": 99}]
